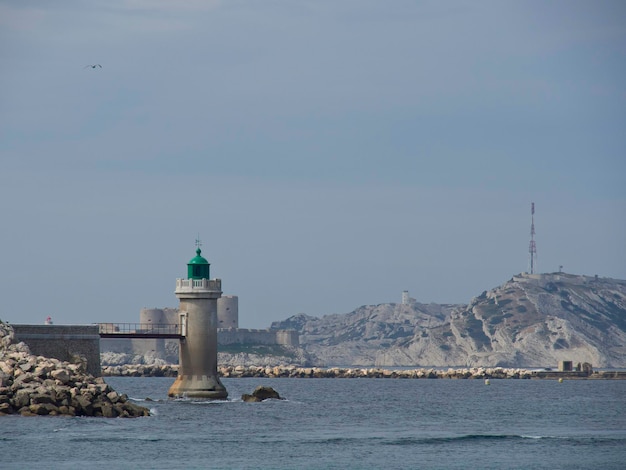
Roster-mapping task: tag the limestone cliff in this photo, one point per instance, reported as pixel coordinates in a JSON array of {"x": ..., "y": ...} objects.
[
  {"x": 529, "y": 321},
  {"x": 362, "y": 337}
]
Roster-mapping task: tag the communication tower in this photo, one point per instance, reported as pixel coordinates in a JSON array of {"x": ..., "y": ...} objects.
[{"x": 532, "y": 249}]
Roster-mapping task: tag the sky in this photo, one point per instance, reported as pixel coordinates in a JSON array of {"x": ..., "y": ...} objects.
[{"x": 328, "y": 154}]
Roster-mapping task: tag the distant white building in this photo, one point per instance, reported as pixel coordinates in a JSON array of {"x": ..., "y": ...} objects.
[{"x": 406, "y": 300}]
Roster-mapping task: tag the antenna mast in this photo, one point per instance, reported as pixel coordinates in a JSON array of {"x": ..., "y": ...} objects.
[{"x": 532, "y": 249}]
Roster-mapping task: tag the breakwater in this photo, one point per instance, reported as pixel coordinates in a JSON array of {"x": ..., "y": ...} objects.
[
  {"x": 130, "y": 370},
  {"x": 32, "y": 385}
]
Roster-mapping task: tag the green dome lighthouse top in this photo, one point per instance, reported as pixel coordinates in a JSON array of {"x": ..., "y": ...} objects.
[
  {"x": 198, "y": 259},
  {"x": 198, "y": 267}
]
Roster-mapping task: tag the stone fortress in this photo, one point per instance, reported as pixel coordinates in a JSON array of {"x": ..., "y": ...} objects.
[{"x": 228, "y": 332}]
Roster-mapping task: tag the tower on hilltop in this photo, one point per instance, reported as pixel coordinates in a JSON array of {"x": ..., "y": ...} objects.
[
  {"x": 532, "y": 248},
  {"x": 197, "y": 370}
]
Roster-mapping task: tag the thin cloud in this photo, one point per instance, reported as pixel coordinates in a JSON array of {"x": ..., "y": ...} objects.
[
  {"x": 170, "y": 5},
  {"x": 20, "y": 18}
]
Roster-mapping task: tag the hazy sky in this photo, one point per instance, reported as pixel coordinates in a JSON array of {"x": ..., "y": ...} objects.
[{"x": 330, "y": 154}]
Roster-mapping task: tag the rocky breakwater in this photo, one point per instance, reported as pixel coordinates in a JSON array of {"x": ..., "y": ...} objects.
[
  {"x": 293, "y": 371},
  {"x": 141, "y": 370},
  {"x": 375, "y": 373},
  {"x": 35, "y": 385}
]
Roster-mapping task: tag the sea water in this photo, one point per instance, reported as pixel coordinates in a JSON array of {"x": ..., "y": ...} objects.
[{"x": 340, "y": 424}]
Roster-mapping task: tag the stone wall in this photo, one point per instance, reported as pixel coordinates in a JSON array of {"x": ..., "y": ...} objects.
[
  {"x": 168, "y": 349},
  {"x": 249, "y": 336},
  {"x": 78, "y": 344}
]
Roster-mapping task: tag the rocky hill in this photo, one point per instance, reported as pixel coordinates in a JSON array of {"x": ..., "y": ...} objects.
[{"x": 529, "y": 321}]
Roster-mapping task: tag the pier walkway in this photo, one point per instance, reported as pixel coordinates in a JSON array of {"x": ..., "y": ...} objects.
[{"x": 140, "y": 330}]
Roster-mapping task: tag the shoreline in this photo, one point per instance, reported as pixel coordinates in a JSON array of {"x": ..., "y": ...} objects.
[{"x": 135, "y": 370}]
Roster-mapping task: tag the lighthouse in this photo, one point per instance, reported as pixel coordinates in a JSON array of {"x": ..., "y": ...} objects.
[{"x": 197, "y": 370}]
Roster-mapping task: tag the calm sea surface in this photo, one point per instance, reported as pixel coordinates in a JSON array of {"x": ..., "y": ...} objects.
[{"x": 341, "y": 424}]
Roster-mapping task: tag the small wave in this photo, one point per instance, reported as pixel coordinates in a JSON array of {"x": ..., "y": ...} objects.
[
  {"x": 425, "y": 440},
  {"x": 492, "y": 437},
  {"x": 101, "y": 439},
  {"x": 145, "y": 400},
  {"x": 209, "y": 402},
  {"x": 200, "y": 401},
  {"x": 578, "y": 440},
  {"x": 451, "y": 439},
  {"x": 268, "y": 400}
]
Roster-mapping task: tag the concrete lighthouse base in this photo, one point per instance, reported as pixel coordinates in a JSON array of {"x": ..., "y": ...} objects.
[
  {"x": 197, "y": 372},
  {"x": 194, "y": 386}
]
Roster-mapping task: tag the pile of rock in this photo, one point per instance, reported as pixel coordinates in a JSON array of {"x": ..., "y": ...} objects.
[
  {"x": 133, "y": 370},
  {"x": 372, "y": 373},
  {"x": 109, "y": 358},
  {"x": 35, "y": 385},
  {"x": 293, "y": 356},
  {"x": 130, "y": 370},
  {"x": 140, "y": 370}
]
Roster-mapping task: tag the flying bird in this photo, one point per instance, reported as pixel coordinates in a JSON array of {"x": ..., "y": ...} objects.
[{"x": 93, "y": 66}]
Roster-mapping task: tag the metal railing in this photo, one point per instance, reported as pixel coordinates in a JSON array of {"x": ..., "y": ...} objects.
[{"x": 138, "y": 330}]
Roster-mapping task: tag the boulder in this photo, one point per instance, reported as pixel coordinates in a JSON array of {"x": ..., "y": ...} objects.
[
  {"x": 61, "y": 375},
  {"x": 43, "y": 409},
  {"x": 41, "y": 398},
  {"x": 261, "y": 393},
  {"x": 21, "y": 398}
]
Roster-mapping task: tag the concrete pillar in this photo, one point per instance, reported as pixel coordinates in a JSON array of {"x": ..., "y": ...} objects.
[{"x": 197, "y": 372}]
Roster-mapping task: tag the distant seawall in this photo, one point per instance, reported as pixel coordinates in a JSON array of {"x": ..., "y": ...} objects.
[
  {"x": 72, "y": 343},
  {"x": 133, "y": 370}
]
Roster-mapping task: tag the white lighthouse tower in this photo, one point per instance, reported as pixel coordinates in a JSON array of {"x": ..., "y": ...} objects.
[{"x": 197, "y": 370}]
